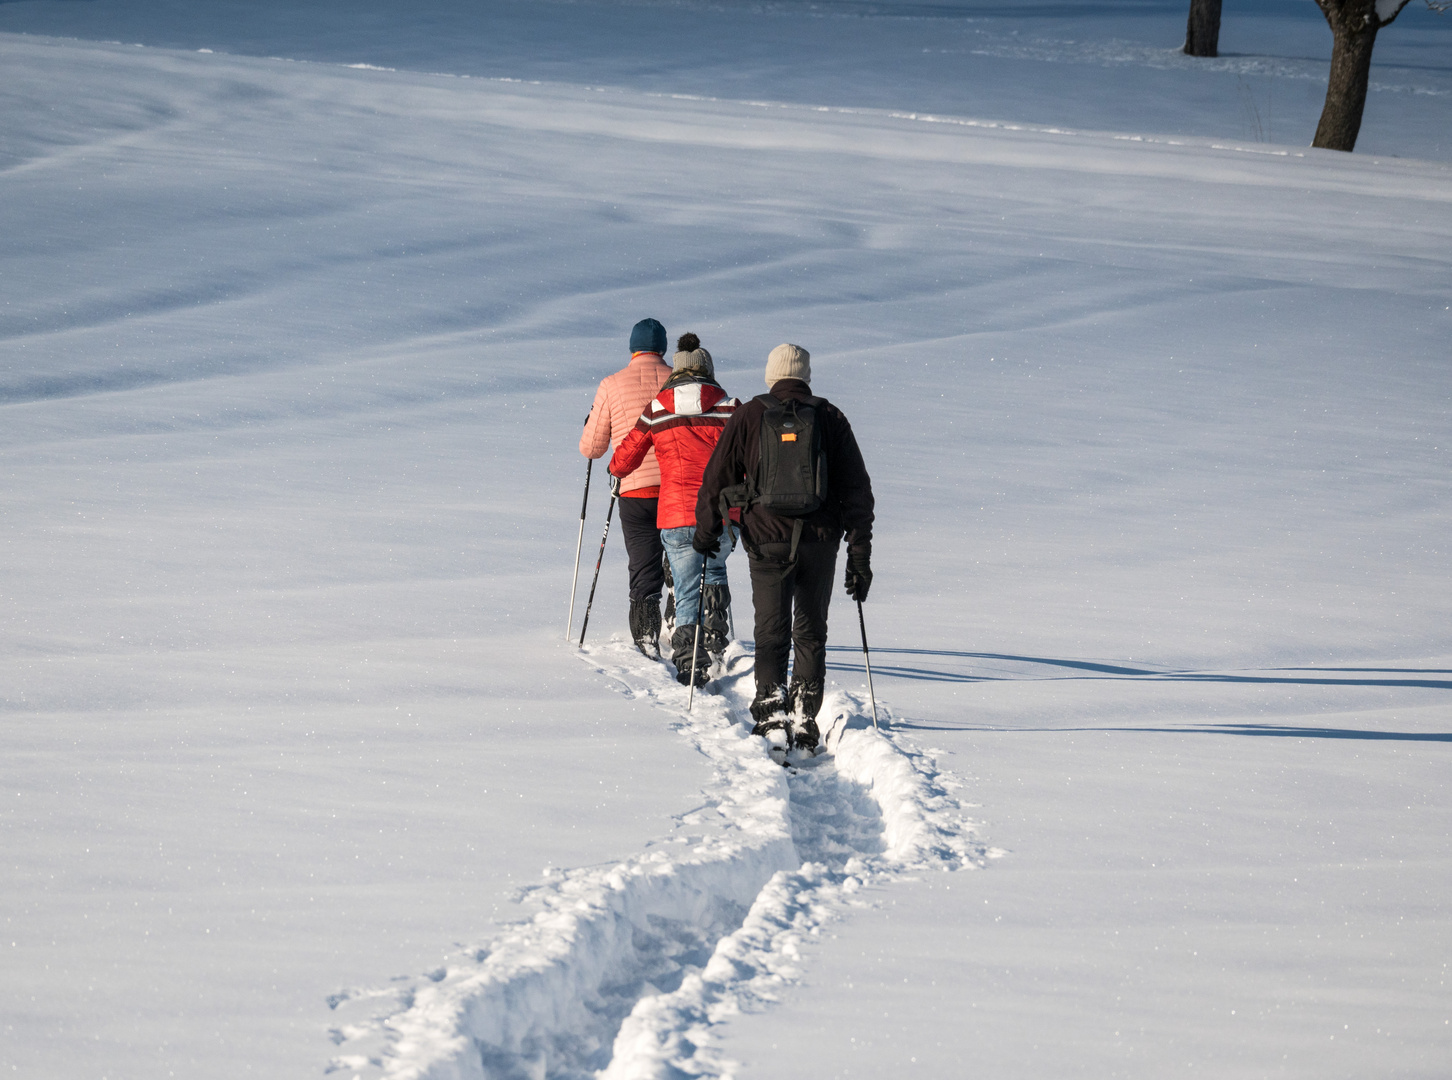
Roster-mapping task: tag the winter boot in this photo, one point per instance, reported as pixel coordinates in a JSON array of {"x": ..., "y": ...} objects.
[
  {"x": 645, "y": 625},
  {"x": 715, "y": 633},
  {"x": 683, "y": 644},
  {"x": 806, "y": 735},
  {"x": 670, "y": 595},
  {"x": 806, "y": 698},
  {"x": 769, "y": 710}
]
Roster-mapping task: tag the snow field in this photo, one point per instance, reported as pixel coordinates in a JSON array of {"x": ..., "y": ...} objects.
[
  {"x": 294, "y": 361},
  {"x": 626, "y": 968}
]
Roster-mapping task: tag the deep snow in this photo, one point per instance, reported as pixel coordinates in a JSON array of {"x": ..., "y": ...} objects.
[{"x": 292, "y": 361}]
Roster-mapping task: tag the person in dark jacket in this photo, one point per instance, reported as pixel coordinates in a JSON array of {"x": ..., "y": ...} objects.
[{"x": 792, "y": 560}]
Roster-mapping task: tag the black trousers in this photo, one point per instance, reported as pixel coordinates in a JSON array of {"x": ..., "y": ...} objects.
[
  {"x": 791, "y": 610},
  {"x": 643, "y": 546}
]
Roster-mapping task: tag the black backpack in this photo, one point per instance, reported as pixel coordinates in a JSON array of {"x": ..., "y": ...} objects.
[{"x": 791, "y": 479}]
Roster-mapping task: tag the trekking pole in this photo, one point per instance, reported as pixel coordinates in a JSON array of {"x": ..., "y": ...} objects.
[
  {"x": 700, "y": 618},
  {"x": 868, "y": 661},
  {"x": 728, "y": 535},
  {"x": 599, "y": 559},
  {"x": 579, "y": 546}
]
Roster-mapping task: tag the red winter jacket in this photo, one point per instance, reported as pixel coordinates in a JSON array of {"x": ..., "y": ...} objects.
[{"x": 683, "y": 424}]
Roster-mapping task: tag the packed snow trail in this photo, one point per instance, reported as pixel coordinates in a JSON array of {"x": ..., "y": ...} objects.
[{"x": 624, "y": 968}]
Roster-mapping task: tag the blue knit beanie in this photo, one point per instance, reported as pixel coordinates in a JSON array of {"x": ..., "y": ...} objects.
[{"x": 648, "y": 336}]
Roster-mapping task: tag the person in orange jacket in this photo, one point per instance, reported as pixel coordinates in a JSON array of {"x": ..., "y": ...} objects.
[
  {"x": 681, "y": 427},
  {"x": 619, "y": 401}
]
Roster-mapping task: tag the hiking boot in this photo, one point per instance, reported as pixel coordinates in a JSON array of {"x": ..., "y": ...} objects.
[
  {"x": 645, "y": 625},
  {"x": 715, "y": 627},
  {"x": 806, "y": 735},
  {"x": 770, "y": 705},
  {"x": 683, "y": 644},
  {"x": 777, "y": 734},
  {"x": 769, "y": 725},
  {"x": 806, "y": 700}
]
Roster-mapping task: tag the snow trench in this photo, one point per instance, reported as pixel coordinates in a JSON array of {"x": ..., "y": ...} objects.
[{"x": 625, "y": 968}]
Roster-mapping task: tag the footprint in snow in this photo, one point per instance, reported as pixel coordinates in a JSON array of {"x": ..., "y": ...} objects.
[{"x": 627, "y": 967}]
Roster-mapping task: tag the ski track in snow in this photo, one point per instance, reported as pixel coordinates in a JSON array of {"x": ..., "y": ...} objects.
[{"x": 624, "y": 968}]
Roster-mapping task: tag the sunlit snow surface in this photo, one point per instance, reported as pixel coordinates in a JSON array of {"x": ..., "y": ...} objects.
[
  {"x": 293, "y": 358},
  {"x": 628, "y": 967}
]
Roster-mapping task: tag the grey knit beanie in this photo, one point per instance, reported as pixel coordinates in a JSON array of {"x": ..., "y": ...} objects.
[
  {"x": 695, "y": 360},
  {"x": 788, "y": 362}
]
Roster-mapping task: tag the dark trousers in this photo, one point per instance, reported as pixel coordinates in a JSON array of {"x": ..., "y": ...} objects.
[
  {"x": 643, "y": 546},
  {"x": 791, "y": 610}
]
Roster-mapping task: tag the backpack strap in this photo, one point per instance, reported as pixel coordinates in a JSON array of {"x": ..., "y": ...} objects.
[{"x": 771, "y": 401}]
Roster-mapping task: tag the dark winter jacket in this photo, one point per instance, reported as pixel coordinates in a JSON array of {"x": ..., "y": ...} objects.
[
  {"x": 849, "y": 503},
  {"x": 682, "y": 424}
]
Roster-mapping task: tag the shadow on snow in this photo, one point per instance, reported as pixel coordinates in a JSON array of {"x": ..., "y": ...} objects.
[
  {"x": 1328, "y": 676},
  {"x": 1282, "y": 731}
]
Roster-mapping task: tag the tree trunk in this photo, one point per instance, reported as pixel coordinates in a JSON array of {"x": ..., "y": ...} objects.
[
  {"x": 1202, "y": 35},
  {"x": 1350, "y": 73}
]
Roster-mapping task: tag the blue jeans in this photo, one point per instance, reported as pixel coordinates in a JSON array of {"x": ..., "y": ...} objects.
[{"x": 686, "y": 570}]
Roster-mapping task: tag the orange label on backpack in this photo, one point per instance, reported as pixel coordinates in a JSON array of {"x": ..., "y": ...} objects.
[{"x": 791, "y": 437}]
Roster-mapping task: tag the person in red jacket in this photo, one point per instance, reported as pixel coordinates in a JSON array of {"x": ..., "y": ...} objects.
[
  {"x": 618, "y": 402},
  {"x": 682, "y": 425}
]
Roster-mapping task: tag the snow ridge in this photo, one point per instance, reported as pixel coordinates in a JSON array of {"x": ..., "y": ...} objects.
[{"x": 625, "y": 968}]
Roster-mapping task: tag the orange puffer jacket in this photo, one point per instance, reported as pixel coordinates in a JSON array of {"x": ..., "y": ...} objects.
[
  {"x": 683, "y": 424},
  {"x": 619, "y": 401}
]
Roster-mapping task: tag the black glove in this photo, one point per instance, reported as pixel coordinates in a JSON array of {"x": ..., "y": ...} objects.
[
  {"x": 615, "y": 486},
  {"x": 709, "y": 545},
  {"x": 859, "y": 576}
]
